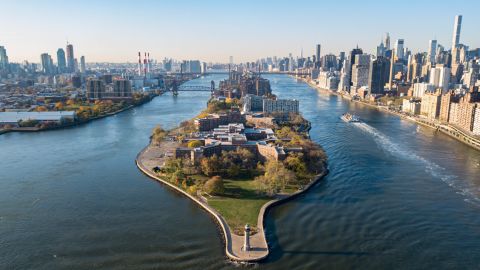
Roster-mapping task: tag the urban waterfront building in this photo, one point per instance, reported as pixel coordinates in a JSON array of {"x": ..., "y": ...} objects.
[
  {"x": 122, "y": 88},
  {"x": 476, "y": 121},
  {"x": 419, "y": 89},
  {"x": 283, "y": 106},
  {"x": 328, "y": 80},
  {"x": 317, "y": 55},
  {"x": 351, "y": 61},
  {"x": 252, "y": 103},
  {"x": 378, "y": 75},
  {"x": 412, "y": 106},
  {"x": 360, "y": 71},
  {"x": 95, "y": 88},
  {"x": 431, "y": 104}
]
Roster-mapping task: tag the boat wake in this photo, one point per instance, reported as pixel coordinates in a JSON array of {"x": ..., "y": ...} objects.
[{"x": 430, "y": 167}]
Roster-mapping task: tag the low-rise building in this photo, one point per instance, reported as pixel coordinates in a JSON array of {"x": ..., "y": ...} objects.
[{"x": 13, "y": 118}]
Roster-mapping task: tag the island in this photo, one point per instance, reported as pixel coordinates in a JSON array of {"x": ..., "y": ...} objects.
[{"x": 247, "y": 151}]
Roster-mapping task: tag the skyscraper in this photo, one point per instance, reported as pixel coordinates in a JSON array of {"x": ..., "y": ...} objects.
[
  {"x": 82, "y": 64},
  {"x": 61, "y": 62},
  {"x": 360, "y": 72},
  {"x": 70, "y": 58},
  {"x": 457, "y": 27},
  {"x": 47, "y": 63},
  {"x": 378, "y": 76},
  {"x": 317, "y": 55},
  {"x": 351, "y": 59},
  {"x": 432, "y": 50},
  {"x": 387, "y": 41},
  {"x": 399, "y": 52},
  {"x": 381, "y": 49},
  {"x": 3, "y": 57}
]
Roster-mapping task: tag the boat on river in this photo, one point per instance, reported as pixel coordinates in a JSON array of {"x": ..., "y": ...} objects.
[{"x": 350, "y": 118}]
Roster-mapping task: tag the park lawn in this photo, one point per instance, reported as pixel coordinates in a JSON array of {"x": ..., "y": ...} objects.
[{"x": 240, "y": 204}]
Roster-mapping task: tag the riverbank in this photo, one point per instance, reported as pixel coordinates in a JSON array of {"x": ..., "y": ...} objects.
[
  {"x": 449, "y": 130},
  {"x": 78, "y": 122},
  {"x": 149, "y": 156}
]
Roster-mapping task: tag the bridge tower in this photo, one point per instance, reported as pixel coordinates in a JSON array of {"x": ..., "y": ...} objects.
[
  {"x": 212, "y": 87},
  {"x": 175, "y": 87}
]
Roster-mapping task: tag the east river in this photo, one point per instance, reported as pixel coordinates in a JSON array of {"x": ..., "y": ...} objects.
[{"x": 398, "y": 196}]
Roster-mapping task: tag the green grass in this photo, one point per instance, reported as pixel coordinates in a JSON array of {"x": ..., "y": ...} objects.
[{"x": 240, "y": 204}]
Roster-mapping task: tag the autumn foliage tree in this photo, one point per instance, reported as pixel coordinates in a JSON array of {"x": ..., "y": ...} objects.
[
  {"x": 276, "y": 178},
  {"x": 214, "y": 186}
]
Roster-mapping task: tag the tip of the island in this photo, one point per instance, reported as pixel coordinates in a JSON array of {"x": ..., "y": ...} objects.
[{"x": 247, "y": 151}]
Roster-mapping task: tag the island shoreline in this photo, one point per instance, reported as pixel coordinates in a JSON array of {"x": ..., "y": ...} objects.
[{"x": 227, "y": 235}]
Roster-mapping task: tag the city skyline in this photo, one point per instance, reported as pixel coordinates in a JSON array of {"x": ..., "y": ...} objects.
[{"x": 134, "y": 27}]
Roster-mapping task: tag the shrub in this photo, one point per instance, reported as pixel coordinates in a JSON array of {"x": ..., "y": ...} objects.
[
  {"x": 214, "y": 186},
  {"x": 194, "y": 144}
]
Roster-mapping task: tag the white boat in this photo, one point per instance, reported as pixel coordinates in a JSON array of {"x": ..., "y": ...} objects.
[{"x": 350, "y": 118}]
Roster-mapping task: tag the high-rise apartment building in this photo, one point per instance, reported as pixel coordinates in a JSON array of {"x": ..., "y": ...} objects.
[
  {"x": 3, "y": 57},
  {"x": 317, "y": 55},
  {"x": 378, "y": 75},
  {"x": 47, "y": 63},
  {"x": 82, "y": 64},
  {"x": 95, "y": 88},
  {"x": 61, "y": 61},
  {"x": 399, "y": 49},
  {"x": 440, "y": 77},
  {"x": 122, "y": 88},
  {"x": 432, "y": 51},
  {"x": 387, "y": 41},
  {"x": 457, "y": 27},
  {"x": 360, "y": 71},
  {"x": 70, "y": 58},
  {"x": 431, "y": 104}
]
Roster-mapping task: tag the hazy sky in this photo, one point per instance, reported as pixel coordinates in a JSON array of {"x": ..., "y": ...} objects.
[{"x": 108, "y": 30}]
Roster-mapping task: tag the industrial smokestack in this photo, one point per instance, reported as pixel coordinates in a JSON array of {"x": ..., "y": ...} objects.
[
  {"x": 139, "y": 64},
  {"x": 145, "y": 65}
]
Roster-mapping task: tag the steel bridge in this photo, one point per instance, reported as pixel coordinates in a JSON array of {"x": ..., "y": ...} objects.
[{"x": 191, "y": 88}]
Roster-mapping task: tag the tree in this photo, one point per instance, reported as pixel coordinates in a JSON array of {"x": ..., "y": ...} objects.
[
  {"x": 70, "y": 102},
  {"x": 41, "y": 109},
  {"x": 276, "y": 178},
  {"x": 210, "y": 165},
  {"x": 214, "y": 186},
  {"x": 295, "y": 163},
  {"x": 194, "y": 144},
  {"x": 59, "y": 106},
  {"x": 158, "y": 134}
]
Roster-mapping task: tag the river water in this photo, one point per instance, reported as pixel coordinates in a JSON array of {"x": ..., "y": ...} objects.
[{"x": 398, "y": 196}]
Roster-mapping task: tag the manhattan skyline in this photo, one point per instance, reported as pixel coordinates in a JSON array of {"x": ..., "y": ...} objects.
[{"x": 166, "y": 29}]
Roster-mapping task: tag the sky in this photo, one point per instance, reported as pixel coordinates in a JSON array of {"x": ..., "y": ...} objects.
[{"x": 212, "y": 30}]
